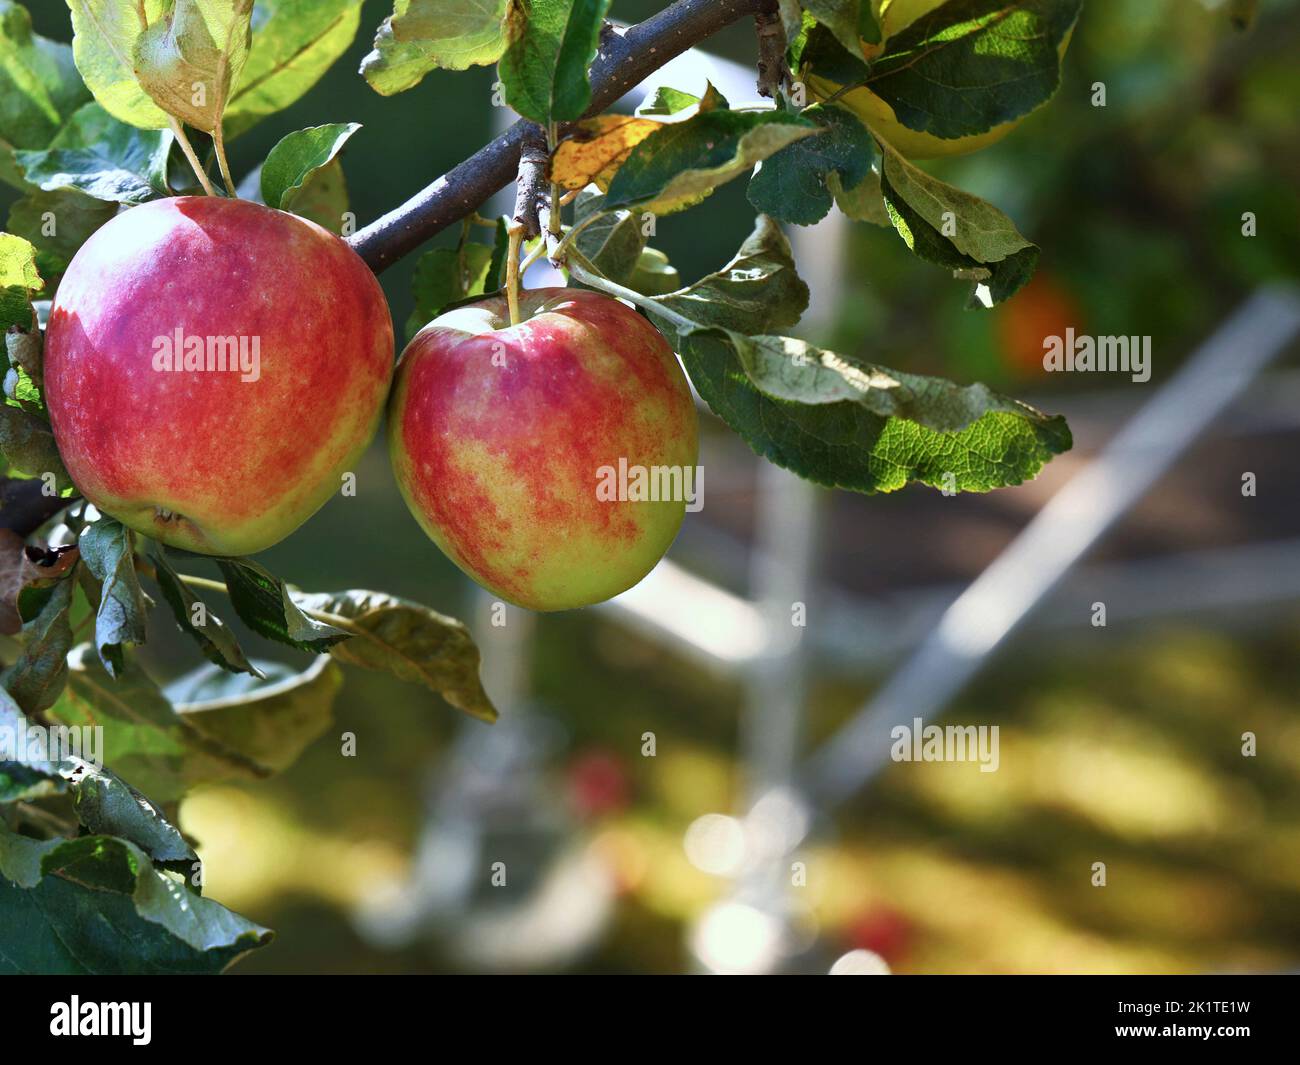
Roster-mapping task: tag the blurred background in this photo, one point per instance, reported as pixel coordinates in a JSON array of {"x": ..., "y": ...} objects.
[{"x": 648, "y": 788}]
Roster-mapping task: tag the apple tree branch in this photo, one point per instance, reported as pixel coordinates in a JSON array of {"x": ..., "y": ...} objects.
[{"x": 622, "y": 62}]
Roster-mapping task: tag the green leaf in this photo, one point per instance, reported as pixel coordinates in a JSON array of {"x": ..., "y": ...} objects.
[
  {"x": 104, "y": 38},
  {"x": 108, "y": 550},
  {"x": 270, "y": 721},
  {"x": 822, "y": 54},
  {"x": 215, "y": 640},
  {"x": 299, "y": 155},
  {"x": 443, "y": 276},
  {"x": 844, "y": 423},
  {"x": 262, "y": 600},
  {"x": 673, "y": 105},
  {"x": 956, "y": 230},
  {"x": 845, "y": 20},
  {"x": 862, "y": 203},
  {"x": 544, "y": 71},
  {"x": 189, "y": 58},
  {"x": 835, "y": 419},
  {"x": 145, "y": 738},
  {"x": 410, "y": 641},
  {"x": 40, "y": 673},
  {"x": 758, "y": 291},
  {"x": 323, "y": 197},
  {"x": 421, "y": 35},
  {"x": 22, "y": 776},
  {"x": 24, "y": 566},
  {"x": 39, "y": 84},
  {"x": 971, "y": 65},
  {"x": 58, "y": 223},
  {"x": 102, "y": 157},
  {"x": 679, "y": 165},
  {"x": 19, "y": 280},
  {"x": 666, "y": 101},
  {"x": 23, "y": 384},
  {"x": 108, "y": 805},
  {"x": 97, "y": 905},
  {"x": 496, "y": 275},
  {"x": 653, "y": 274},
  {"x": 612, "y": 241},
  {"x": 792, "y": 185},
  {"x": 29, "y": 447},
  {"x": 294, "y": 43}
]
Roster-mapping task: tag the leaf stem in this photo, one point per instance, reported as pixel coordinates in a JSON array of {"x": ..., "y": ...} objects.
[
  {"x": 218, "y": 142},
  {"x": 554, "y": 208},
  {"x": 532, "y": 257},
  {"x": 188, "y": 149},
  {"x": 580, "y": 268},
  {"x": 204, "y": 582},
  {"x": 562, "y": 249}
]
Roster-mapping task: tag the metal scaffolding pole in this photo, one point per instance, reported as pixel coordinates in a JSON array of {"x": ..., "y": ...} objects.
[{"x": 1000, "y": 599}]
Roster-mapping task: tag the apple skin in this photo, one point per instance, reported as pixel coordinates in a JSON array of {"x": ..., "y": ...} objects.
[
  {"x": 498, "y": 461},
  {"x": 879, "y": 115},
  {"x": 203, "y": 460}
]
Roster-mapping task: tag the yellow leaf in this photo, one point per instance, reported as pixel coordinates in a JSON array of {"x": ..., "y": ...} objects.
[{"x": 598, "y": 149}]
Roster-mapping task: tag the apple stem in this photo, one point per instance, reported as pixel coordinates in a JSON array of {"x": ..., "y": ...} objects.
[
  {"x": 188, "y": 149},
  {"x": 515, "y": 234},
  {"x": 218, "y": 142}
]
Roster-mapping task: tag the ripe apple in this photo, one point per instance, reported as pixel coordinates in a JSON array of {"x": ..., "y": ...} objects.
[
  {"x": 894, "y": 17},
  {"x": 502, "y": 436},
  {"x": 221, "y": 461}
]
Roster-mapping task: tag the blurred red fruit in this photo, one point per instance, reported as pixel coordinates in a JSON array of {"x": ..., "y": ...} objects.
[
  {"x": 598, "y": 783},
  {"x": 883, "y": 930},
  {"x": 1043, "y": 308}
]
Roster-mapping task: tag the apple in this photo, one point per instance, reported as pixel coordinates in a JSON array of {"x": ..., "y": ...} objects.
[
  {"x": 503, "y": 439},
  {"x": 150, "y": 426},
  {"x": 893, "y": 18}
]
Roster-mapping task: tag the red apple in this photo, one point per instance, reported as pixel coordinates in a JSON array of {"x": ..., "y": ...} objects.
[
  {"x": 519, "y": 448},
  {"x": 153, "y": 431}
]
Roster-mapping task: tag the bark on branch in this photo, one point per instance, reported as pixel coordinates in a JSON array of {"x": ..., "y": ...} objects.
[
  {"x": 773, "y": 71},
  {"x": 531, "y": 185},
  {"x": 622, "y": 62}
]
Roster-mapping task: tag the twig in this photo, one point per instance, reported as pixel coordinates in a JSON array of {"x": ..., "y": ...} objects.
[
  {"x": 773, "y": 71},
  {"x": 622, "y": 63},
  {"x": 530, "y": 183}
]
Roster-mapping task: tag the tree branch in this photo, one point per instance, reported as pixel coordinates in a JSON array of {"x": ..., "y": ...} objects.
[
  {"x": 531, "y": 184},
  {"x": 622, "y": 62},
  {"x": 773, "y": 71}
]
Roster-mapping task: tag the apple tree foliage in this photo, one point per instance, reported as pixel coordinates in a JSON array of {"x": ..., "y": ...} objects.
[{"x": 94, "y": 877}]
